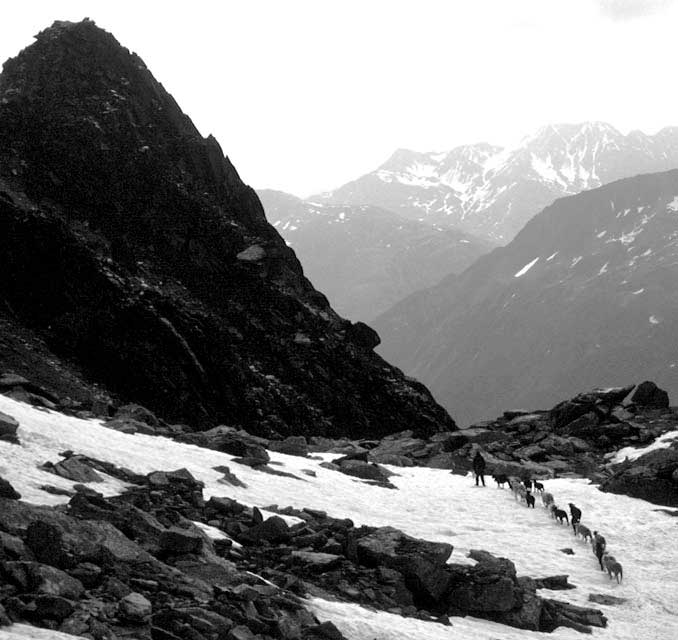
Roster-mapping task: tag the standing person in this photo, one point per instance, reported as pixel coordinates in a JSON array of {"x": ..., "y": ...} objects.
[
  {"x": 599, "y": 548},
  {"x": 479, "y": 468},
  {"x": 575, "y": 512}
]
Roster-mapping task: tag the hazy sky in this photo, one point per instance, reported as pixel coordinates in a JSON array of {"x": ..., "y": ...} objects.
[{"x": 304, "y": 95}]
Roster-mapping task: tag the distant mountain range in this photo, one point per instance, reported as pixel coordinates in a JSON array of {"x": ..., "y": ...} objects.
[
  {"x": 492, "y": 192},
  {"x": 586, "y": 294},
  {"x": 366, "y": 258}
]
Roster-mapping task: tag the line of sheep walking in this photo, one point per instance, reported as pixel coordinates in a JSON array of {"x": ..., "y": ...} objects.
[{"x": 522, "y": 491}]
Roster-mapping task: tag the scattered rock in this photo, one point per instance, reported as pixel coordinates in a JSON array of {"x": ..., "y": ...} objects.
[
  {"x": 135, "y": 608},
  {"x": 76, "y": 469},
  {"x": 554, "y": 583},
  {"x": 293, "y": 446},
  {"x": 8, "y": 491},
  {"x": 137, "y": 413},
  {"x": 178, "y": 541},
  {"x": 651, "y": 477},
  {"x": 8, "y": 428},
  {"x": 600, "y": 598}
]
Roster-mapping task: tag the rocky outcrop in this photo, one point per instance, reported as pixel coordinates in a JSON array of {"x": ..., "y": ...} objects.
[
  {"x": 8, "y": 428},
  {"x": 652, "y": 477},
  {"x": 649, "y": 395},
  {"x": 139, "y": 561},
  {"x": 131, "y": 249}
]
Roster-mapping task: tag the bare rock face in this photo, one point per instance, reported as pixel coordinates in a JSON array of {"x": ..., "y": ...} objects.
[
  {"x": 153, "y": 268},
  {"x": 649, "y": 395},
  {"x": 8, "y": 428},
  {"x": 652, "y": 477},
  {"x": 421, "y": 562}
]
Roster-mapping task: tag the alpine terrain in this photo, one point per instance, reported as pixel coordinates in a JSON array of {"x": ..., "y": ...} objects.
[
  {"x": 491, "y": 192},
  {"x": 365, "y": 258},
  {"x": 585, "y": 294},
  {"x": 135, "y": 259},
  {"x": 194, "y": 445}
]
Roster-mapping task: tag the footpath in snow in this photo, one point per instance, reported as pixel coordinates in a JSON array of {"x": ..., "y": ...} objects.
[{"x": 429, "y": 503}]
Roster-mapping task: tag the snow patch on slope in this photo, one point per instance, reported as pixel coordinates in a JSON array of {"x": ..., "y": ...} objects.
[
  {"x": 429, "y": 503},
  {"x": 526, "y": 268}
]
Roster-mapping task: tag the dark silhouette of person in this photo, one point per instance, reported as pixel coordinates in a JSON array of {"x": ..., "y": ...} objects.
[
  {"x": 599, "y": 548},
  {"x": 575, "y": 512},
  {"x": 479, "y": 468}
]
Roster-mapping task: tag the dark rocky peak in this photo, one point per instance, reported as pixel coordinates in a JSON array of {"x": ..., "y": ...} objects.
[
  {"x": 95, "y": 131},
  {"x": 130, "y": 246}
]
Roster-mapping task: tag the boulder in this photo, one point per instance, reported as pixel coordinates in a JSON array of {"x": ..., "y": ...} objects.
[
  {"x": 316, "y": 562},
  {"x": 363, "y": 335},
  {"x": 652, "y": 477},
  {"x": 225, "y": 506},
  {"x": 488, "y": 587},
  {"x": 176, "y": 541},
  {"x": 75, "y": 469},
  {"x": 608, "y": 396},
  {"x": 274, "y": 529},
  {"x": 600, "y": 598},
  {"x": 138, "y": 413},
  {"x": 130, "y": 426},
  {"x": 566, "y": 412},
  {"x": 292, "y": 446},
  {"x": 648, "y": 395},
  {"x": 8, "y": 491},
  {"x": 134, "y": 608},
  {"x": 563, "y": 614},
  {"x": 9, "y": 380},
  {"x": 12, "y": 547},
  {"x": 581, "y": 426},
  {"x": 554, "y": 583},
  {"x": 364, "y": 470},
  {"x": 34, "y": 577},
  {"x": 404, "y": 446},
  {"x": 392, "y": 459},
  {"x": 422, "y": 563},
  {"x": 8, "y": 427},
  {"x": 52, "y": 607}
]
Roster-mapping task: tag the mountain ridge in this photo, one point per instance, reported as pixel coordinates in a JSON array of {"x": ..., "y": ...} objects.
[
  {"x": 584, "y": 292},
  {"x": 367, "y": 258},
  {"x": 492, "y": 192},
  {"x": 130, "y": 246}
]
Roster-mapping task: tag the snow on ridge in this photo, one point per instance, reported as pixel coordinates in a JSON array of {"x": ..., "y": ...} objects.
[
  {"x": 526, "y": 268},
  {"x": 673, "y": 205},
  {"x": 633, "y": 453}
]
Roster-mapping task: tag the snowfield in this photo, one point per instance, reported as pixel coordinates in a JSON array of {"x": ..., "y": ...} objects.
[{"x": 429, "y": 503}]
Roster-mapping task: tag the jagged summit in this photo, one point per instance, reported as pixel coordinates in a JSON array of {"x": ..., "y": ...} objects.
[
  {"x": 491, "y": 192},
  {"x": 130, "y": 245},
  {"x": 103, "y": 94}
]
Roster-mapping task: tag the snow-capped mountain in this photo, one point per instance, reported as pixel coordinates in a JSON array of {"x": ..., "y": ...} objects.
[
  {"x": 366, "y": 258},
  {"x": 492, "y": 192},
  {"x": 585, "y": 294}
]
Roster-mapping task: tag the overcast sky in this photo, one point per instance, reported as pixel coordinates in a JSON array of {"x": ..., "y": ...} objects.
[{"x": 304, "y": 95}]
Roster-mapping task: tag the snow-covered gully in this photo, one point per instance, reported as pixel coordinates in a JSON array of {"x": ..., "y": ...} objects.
[{"x": 431, "y": 504}]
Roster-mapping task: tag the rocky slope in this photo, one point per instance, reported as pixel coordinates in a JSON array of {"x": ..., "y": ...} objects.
[
  {"x": 492, "y": 192},
  {"x": 130, "y": 247},
  {"x": 365, "y": 258},
  {"x": 584, "y": 295},
  {"x": 155, "y": 559}
]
